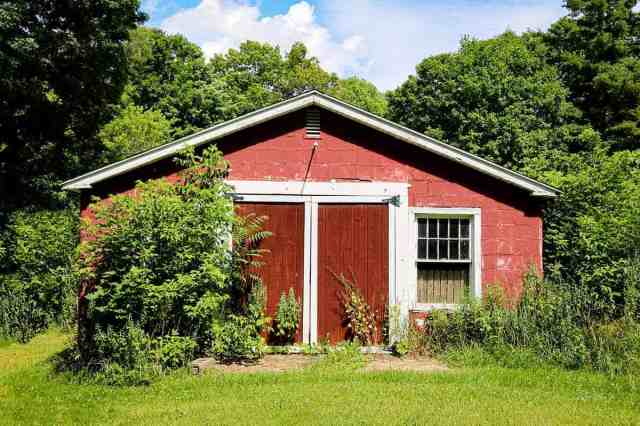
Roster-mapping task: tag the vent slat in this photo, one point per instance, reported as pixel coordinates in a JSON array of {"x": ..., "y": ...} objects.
[{"x": 312, "y": 124}]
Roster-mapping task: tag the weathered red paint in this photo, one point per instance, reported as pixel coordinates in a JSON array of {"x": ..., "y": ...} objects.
[
  {"x": 347, "y": 151},
  {"x": 283, "y": 267},
  {"x": 353, "y": 240}
]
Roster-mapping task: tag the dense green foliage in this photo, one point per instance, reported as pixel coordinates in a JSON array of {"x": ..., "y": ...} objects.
[
  {"x": 256, "y": 75},
  {"x": 361, "y": 93},
  {"x": 496, "y": 98},
  {"x": 132, "y": 131},
  {"x": 597, "y": 53},
  {"x": 37, "y": 281},
  {"x": 156, "y": 270},
  {"x": 63, "y": 64},
  {"x": 554, "y": 323},
  {"x": 169, "y": 74}
]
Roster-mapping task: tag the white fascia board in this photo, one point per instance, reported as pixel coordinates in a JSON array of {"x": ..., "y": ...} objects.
[{"x": 336, "y": 106}]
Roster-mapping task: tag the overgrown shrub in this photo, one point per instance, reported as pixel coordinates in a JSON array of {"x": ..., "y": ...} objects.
[
  {"x": 37, "y": 280},
  {"x": 558, "y": 323},
  {"x": 159, "y": 280},
  {"x": 21, "y": 318},
  {"x": 237, "y": 339},
  {"x": 287, "y": 317}
]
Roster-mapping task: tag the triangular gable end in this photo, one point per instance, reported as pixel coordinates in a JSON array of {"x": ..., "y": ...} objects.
[{"x": 320, "y": 100}]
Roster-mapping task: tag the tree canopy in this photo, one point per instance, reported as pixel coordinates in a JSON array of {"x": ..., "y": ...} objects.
[
  {"x": 497, "y": 98},
  {"x": 596, "y": 50},
  {"x": 63, "y": 64}
]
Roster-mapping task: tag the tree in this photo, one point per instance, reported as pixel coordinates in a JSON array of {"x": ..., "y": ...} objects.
[
  {"x": 597, "y": 52},
  {"x": 496, "y": 98},
  {"x": 168, "y": 73},
  {"x": 132, "y": 131},
  {"x": 63, "y": 64},
  {"x": 256, "y": 75},
  {"x": 592, "y": 230},
  {"x": 361, "y": 93}
]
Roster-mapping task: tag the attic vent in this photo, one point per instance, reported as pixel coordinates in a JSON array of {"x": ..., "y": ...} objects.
[{"x": 312, "y": 124}]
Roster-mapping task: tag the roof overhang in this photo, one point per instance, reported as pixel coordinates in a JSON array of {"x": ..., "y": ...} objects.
[{"x": 313, "y": 98}]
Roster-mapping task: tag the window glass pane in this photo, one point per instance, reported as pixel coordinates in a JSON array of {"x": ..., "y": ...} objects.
[
  {"x": 464, "y": 228},
  {"x": 422, "y": 248},
  {"x": 453, "y": 249},
  {"x": 453, "y": 228},
  {"x": 433, "y": 228},
  {"x": 444, "y": 228},
  {"x": 433, "y": 249},
  {"x": 464, "y": 249},
  {"x": 422, "y": 227},
  {"x": 444, "y": 249}
]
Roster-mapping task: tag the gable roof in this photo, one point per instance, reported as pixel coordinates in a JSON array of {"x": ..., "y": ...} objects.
[{"x": 313, "y": 98}]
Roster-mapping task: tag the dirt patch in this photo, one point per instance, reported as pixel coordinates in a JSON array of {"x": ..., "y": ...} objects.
[
  {"x": 385, "y": 362},
  {"x": 270, "y": 363},
  {"x": 289, "y": 362}
]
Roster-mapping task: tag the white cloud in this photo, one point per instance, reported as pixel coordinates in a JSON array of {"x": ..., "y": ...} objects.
[
  {"x": 399, "y": 35},
  {"x": 218, "y": 25},
  {"x": 380, "y": 41}
]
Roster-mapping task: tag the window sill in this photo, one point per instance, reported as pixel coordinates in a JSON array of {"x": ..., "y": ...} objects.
[{"x": 428, "y": 307}]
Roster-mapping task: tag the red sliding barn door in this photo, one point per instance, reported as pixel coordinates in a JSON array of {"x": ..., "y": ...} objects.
[
  {"x": 284, "y": 263},
  {"x": 353, "y": 239}
]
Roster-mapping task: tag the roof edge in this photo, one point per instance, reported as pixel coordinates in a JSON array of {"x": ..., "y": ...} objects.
[{"x": 534, "y": 187}]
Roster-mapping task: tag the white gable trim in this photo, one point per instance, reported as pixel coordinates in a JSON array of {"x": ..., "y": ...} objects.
[{"x": 328, "y": 103}]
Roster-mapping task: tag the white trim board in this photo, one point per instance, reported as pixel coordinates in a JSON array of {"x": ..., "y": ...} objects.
[{"x": 313, "y": 98}]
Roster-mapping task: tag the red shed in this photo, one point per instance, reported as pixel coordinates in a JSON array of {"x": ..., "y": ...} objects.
[{"x": 417, "y": 222}]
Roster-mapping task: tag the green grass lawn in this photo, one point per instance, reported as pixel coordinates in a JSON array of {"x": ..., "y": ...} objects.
[{"x": 31, "y": 394}]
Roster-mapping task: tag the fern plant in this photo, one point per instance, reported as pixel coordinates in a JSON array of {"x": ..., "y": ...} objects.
[
  {"x": 287, "y": 317},
  {"x": 248, "y": 232}
]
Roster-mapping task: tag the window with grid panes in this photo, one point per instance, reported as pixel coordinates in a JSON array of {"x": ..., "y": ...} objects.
[{"x": 443, "y": 259}]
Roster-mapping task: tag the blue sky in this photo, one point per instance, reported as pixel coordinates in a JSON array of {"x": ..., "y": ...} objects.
[{"x": 379, "y": 40}]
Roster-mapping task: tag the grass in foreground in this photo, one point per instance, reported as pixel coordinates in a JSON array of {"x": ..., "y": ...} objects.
[{"x": 30, "y": 394}]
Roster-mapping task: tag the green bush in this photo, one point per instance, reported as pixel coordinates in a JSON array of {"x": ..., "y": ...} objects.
[
  {"x": 160, "y": 259},
  {"x": 175, "y": 351},
  {"x": 21, "y": 318},
  {"x": 37, "y": 281},
  {"x": 287, "y": 317},
  {"x": 560, "y": 324}
]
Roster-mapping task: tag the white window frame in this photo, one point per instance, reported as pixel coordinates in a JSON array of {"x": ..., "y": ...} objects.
[{"x": 475, "y": 265}]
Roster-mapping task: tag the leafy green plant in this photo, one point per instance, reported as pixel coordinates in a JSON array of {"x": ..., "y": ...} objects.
[
  {"x": 287, "y": 317},
  {"x": 237, "y": 339},
  {"x": 21, "y": 318},
  {"x": 37, "y": 280},
  {"x": 359, "y": 318},
  {"x": 175, "y": 351},
  {"x": 558, "y": 323},
  {"x": 160, "y": 259}
]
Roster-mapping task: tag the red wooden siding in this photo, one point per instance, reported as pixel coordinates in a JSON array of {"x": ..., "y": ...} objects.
[
  {"x": 352, "y": 238},
  {"x": 278, "y": 151},
  {"x": 284, "y": 264}
]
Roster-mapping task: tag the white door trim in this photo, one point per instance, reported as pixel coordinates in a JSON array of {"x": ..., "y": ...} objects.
[{"x": 394, "y": 194}]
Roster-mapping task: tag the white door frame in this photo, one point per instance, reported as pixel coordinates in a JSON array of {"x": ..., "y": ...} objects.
[{"x": 394, "y": 194}]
